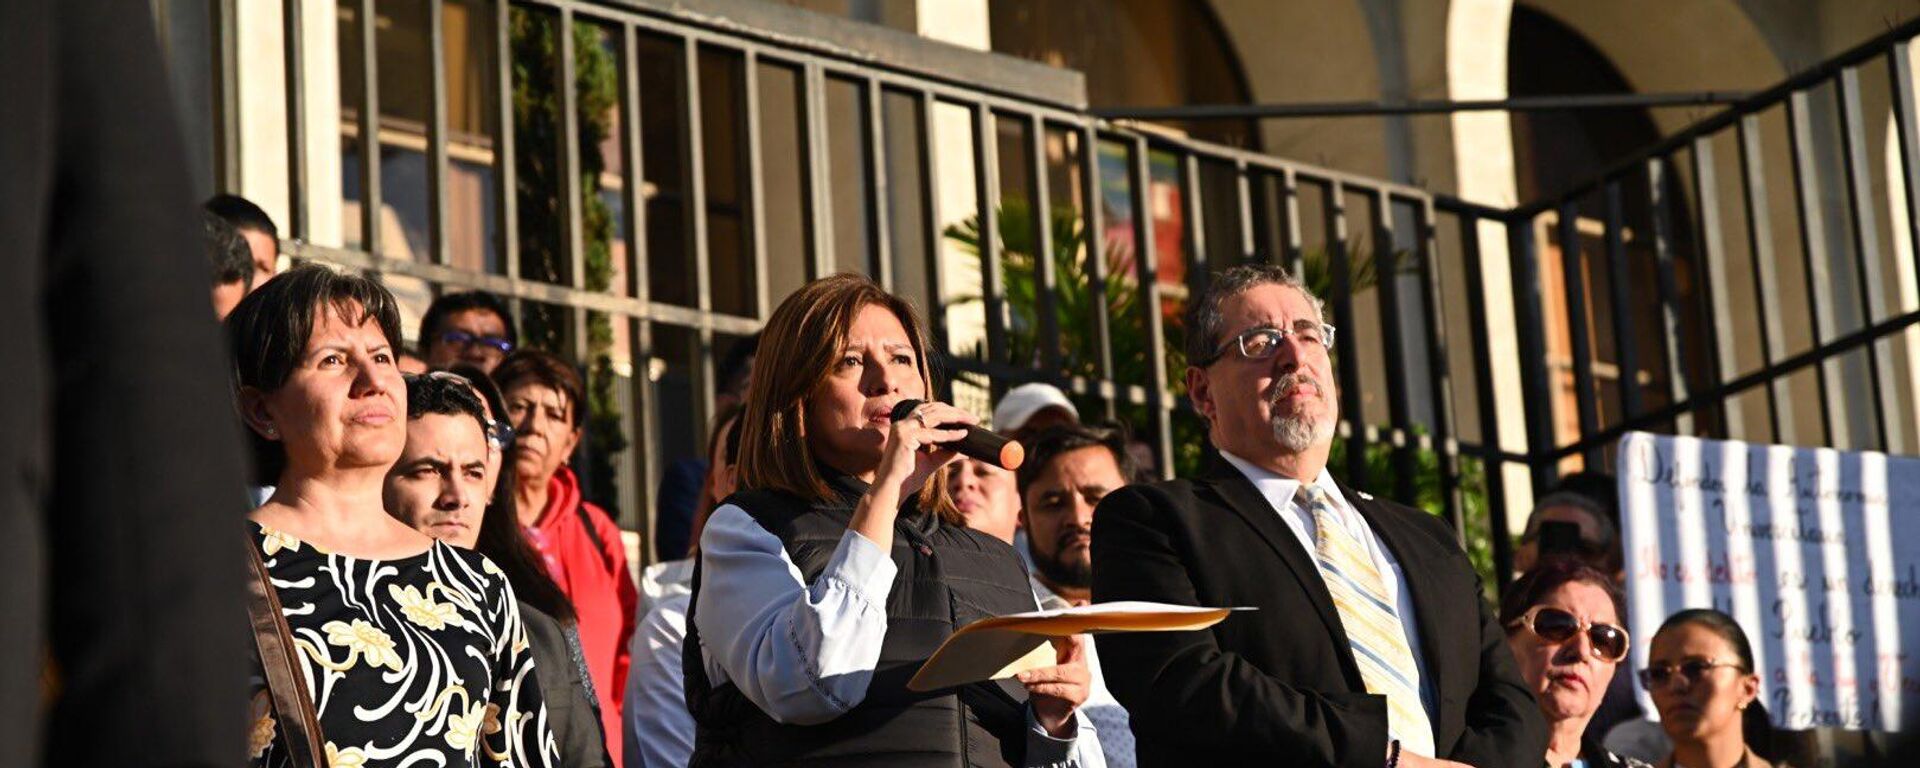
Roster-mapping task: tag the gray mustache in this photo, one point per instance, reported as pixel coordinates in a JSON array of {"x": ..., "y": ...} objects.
[{"x": 1285, "y": 386}]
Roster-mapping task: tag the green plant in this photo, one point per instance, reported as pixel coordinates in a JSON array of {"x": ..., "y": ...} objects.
[{"x": 543, "y": 251}]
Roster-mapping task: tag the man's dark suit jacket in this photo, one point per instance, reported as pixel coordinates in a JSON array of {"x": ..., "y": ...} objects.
[
  {"x": 121, "y": 477},
  {"x": 1279, "y": 686}
]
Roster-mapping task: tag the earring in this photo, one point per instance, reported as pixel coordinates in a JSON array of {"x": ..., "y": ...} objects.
[{"x": 273, "y": 431}]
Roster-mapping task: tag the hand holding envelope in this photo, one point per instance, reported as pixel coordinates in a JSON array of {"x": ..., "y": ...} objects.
[{"x": 1004, "y": 646}]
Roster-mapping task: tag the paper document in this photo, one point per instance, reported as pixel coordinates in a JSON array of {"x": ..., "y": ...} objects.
[{"x": 1004, "y": 646}]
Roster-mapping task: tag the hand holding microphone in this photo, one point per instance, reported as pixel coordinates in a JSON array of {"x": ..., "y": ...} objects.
[{"x": 978, "y": 443}]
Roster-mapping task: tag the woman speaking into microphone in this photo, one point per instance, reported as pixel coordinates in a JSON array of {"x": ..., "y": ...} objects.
[{"x": 841, "y": 565}]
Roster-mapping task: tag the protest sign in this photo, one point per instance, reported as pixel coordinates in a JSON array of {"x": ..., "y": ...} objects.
[{"x": 1814, "y": 551}]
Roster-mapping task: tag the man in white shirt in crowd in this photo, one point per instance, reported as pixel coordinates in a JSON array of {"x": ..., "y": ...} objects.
[{"x": 1069, "y": 468}]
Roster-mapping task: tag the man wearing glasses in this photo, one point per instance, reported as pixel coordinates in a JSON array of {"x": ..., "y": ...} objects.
[
  {"x": 1370, "y": 645},
  {"x": 474, "y": 327}
]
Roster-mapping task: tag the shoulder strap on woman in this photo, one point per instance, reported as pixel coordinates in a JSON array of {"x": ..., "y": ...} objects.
[{"x": 293, "y": 708}]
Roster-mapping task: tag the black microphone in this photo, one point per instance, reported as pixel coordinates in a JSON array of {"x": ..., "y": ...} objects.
[{"x": 986, "y": 446}]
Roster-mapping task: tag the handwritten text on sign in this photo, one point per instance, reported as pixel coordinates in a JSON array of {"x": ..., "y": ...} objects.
[{"x": 1815, "y": 552}]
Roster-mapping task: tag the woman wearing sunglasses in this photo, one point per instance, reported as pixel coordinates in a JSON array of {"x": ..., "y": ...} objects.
[
  {"x": 1700, "y": 675},
  {"x": 1563, "y": 625}
]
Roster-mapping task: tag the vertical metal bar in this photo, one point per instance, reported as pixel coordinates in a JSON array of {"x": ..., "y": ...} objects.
[
  {"x": 1669, "y": 291},
  {"x": 1773, "y": 337},
  {"x": 1090, "y": 194},
  {"x": 640, "y": 342},
  {"x": 1293, "y": 256},
  {"x": 1199, "y": 260},
  {"x": 1386, "y": 270},
  {"x": 1579, "y": 331},
  {"x": 645, "y": 432},
  {"x": 1626, "y": 342},
  {"x": 1046, "y": 308},
  {"x": 1813, "y": 244},
  {"x": 877, "y": 191},
  {"x": 1146, "y": 261},
  {"x": 754, "y": 180},
  {"x": 986, "y": 190},
  {"x": 298, "y": 190},
  {"x": 1347, "y": 365},
  {"x": 693, "y": 140},
  {"x": 570, "y": 201},
  {"x": 818, "y": 188},
  {"x": 227, "y": 119},
  {"x": 929, "y": 159},
  {"x": 1866, "y": 250},
  {"x": 1720, "y": 303},
  {"x": 1446, "y": 449},
  {"x": 437, "y": 135},
  {"x": 1530, "y": 318},
  {"x": 370, "y": 200},
  {"x": 1243, "y": 191},
  {"x": 506, "y": 188},
  {"x": 1486, "y": 402}
]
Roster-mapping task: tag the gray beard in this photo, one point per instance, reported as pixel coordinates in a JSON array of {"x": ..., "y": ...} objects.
[{"x": 1298, "y": 433}]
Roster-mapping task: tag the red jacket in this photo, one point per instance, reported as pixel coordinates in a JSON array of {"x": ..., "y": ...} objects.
[{"x": 596, "y": 579}]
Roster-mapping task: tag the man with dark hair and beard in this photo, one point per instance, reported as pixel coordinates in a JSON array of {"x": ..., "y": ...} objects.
[
  {"x": 1370, "y": 645},
  {"x": 1069, "y": 469}
]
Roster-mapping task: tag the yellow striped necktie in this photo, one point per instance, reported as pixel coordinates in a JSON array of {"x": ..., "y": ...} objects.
[{"x": 1373, "y": 625}]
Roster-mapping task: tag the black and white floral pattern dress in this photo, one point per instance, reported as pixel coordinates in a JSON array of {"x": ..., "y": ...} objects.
[{"x": 419, "y": 661}]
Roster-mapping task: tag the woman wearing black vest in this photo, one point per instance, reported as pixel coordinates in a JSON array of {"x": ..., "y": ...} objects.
[{"x": 842, "y": 564}]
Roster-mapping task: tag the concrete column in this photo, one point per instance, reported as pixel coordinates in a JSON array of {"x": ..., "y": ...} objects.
[
  {"x": 1484, "y": 173},
  {"x": 262, "y": 80}
]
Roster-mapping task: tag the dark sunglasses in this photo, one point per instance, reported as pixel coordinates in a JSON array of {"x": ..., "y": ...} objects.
[
  {"x": 1554, "y": 625},
  {"x": 462, "y": 339},
  {"x": 1692, "y": 670}
]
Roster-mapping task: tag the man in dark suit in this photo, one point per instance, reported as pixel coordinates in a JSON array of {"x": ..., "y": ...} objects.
[
  {"x": 1371, "y": 645},
  {"x": 121, "y": 503}
]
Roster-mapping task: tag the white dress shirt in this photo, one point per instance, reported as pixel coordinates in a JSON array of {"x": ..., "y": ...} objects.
[
  {"x": 659, "y": 730},
  {"x": 1280, "y": 494},
  {"x": 804, "y": 653}
]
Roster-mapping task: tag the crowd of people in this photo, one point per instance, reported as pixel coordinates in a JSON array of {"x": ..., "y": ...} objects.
[{"x": 432, "y": 584}]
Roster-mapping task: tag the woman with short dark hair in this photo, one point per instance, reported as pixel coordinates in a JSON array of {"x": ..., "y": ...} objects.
[
  {"x": 842, "y": 564},
  {"x": 578, "y": 542},
  {"x": 1564, "y": 628},
  {"x": 412, "y": 647}
]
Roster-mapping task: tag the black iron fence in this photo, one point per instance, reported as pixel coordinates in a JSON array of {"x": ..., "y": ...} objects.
[{"x": 647, "y": 181}]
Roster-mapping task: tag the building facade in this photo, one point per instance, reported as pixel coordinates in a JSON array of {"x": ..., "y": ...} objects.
[{"x": 1514, "y": 288}]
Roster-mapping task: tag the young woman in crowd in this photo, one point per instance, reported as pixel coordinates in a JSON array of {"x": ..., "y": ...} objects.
[
  {"x": 411, "y": 647},
  {"x": 440, "y": 487},
  {"x": 1700, "y": 674},
  {"x": 579, "y": 544},
  {"x": 1563, "y": 624},
  {"x": 842, "y": 564}
]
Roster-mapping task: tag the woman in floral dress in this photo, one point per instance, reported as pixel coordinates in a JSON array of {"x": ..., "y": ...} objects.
[{"x": 412, "y": 650}]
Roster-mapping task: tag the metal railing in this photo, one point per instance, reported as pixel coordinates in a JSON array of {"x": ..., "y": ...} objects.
[
  {"x": 1843, "y": 266},
  {"x": 1189, "y": 207}
]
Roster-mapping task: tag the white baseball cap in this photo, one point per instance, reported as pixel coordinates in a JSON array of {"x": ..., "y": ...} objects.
[{"x": 1022, "y": 402}]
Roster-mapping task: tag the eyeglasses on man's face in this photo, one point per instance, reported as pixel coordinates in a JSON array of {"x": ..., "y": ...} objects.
[
  {"x": 1694, "y": 670},
  {"x": 462, "y": 340},
  {"x": 1263, "y": 342}
]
